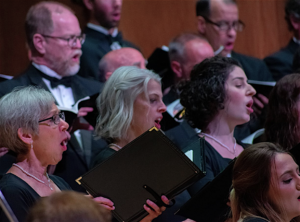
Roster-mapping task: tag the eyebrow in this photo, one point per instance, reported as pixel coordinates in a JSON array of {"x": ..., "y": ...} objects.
[
  {"x": 239, "y": 78},
  {"x": 290, "y": 171}
]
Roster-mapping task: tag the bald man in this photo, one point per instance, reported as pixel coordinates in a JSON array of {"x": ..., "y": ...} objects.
[
  {"x": 117, "y": 58},
  {"x": 185, "y": 51}
]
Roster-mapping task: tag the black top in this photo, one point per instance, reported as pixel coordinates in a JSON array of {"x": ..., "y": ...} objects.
[
  {"x": 215, "y": 163},
  {"x": 20, "y": 196}
]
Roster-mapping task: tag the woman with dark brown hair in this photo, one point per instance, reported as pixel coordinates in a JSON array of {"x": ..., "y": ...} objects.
[
  {"x": 283, "y": 123},
  {"x": 266, "y": 185},
  {"x": 216, "y": 100}
]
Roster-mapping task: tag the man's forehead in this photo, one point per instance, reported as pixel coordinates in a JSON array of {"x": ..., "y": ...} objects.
[{"x": 220, "y": 8}]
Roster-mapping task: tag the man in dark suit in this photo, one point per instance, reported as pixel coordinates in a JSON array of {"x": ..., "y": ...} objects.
[
  {"x": 54, "y": 38},
  {"x": 102, "y": 35},
  {"x": 280, "y": 63}
]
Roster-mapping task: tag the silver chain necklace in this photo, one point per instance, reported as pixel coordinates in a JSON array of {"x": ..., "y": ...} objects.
[
  {"x": 37, "y": 179},
  {"x": 222, "y": 144},
  {"x": 116, "y": 145}
]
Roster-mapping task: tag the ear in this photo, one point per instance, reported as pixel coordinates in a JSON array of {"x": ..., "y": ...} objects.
[
  {"x": 88, "y": 4},
  {"x": 295, "y": 22},
  {"x": 24, "y": 136},
  {"x": 177, "y": 69},
  {"x": 39, "y": 43},
  {"x": 201, "y": 25},
  {"x": 107, "y": 75}
]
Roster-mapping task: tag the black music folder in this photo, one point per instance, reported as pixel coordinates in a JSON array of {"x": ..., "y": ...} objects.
[
  {"x": 210, "y": 203},
  {"x": 146, "y": 168}
]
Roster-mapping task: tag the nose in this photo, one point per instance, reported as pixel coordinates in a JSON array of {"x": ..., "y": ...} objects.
[
  {"x": 251, "y": 91},
  {"x": 118, "y": 3},
  {"x": 63, "y": 125},
  {"x": 162, "y": 107},
  {"x": 77, "y": 44},
  {"x": 231, "y": 31}
]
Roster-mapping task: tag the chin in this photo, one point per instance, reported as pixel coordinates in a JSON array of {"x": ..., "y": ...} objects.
[{"x": 72, "y": 70}]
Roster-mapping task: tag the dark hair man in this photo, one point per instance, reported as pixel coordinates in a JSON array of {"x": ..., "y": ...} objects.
[{"x": 102, "y": 35}]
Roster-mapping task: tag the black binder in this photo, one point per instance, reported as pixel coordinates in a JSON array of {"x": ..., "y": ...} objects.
[
  {"x": 146, "y": 168},
  {"x": 210, "y": 203}
]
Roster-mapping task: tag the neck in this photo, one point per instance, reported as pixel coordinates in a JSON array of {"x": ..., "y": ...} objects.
[
  {"x": 95, "y": 22},
  {"x": 220, "y": 127},
  {"x": 32, "y": 165}
]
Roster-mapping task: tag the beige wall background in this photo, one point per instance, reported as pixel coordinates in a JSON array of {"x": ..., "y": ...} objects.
[{"x": 150, "y": 24}]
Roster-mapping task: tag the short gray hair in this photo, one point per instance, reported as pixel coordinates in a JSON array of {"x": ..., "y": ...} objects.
[
  {"x": 22, "y": 108},
  {"x": 39, "y": 20},
  {"x": 115, "y": 103},
  {"x": 177, "y": 50}
]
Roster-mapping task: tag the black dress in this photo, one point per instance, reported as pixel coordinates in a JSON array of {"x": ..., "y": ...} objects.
[
  {"x": 20, "y": 196},
  {"x": 214, "y": 164}
]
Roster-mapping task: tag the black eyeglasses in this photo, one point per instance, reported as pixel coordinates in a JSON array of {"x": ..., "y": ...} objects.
[
  {"x": 55, "y": 118},
  {"x": 226, "y": 26},
  {"x": 72, "y": 40}
]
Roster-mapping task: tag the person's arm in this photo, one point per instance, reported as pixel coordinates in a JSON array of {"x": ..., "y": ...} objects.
[{"x": 153, "y": 210}]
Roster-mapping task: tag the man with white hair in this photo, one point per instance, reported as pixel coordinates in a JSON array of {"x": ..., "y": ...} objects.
[{"x": 54, "y": 38}]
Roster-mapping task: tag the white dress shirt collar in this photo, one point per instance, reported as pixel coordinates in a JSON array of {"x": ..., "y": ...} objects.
[{"x": 102, "y": 29}]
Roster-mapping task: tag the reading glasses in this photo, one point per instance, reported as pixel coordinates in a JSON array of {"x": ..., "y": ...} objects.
[
  {"x": 55, "y": 118},
  {"x": 226, "y": 26},
  {"x": 72, "y": 40}
]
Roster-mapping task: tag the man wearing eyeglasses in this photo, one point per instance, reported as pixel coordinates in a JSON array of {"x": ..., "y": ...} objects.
[
  {"x": 218, "y": 21},
  {"x": 102, "y": 34},
  {"x": 54, "y": 39}
]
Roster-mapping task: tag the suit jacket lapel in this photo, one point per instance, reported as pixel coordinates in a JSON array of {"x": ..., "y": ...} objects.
[{"x": 35, "y": 77}]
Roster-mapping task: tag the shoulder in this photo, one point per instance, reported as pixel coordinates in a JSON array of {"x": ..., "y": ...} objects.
[
  {"x": 254, "y": 68},
  {"x": 102, "y": 155},
  {"x": 24, "y": 79},
  {"x": 130, "y": 44},
  {"x": 92, "y": 85},
  {"x": 245, "y": 58}
]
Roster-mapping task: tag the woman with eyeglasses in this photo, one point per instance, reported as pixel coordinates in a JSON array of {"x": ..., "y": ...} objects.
[{"x": 32, "y": 126}]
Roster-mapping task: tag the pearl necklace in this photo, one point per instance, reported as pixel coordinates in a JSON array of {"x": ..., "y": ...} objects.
[
  {"x": 115, "y": 147},
  {"x": 37, "y": 179},
  {"x": 222, "y": 144}
]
